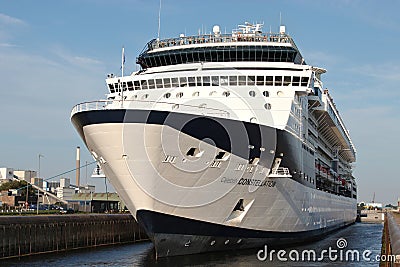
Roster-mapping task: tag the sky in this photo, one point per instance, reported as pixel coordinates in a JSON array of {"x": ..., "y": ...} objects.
[{"x": 55, "y": 54}]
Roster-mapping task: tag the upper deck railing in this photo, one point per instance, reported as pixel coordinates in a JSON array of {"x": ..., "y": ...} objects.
[
  {"x": 148, "y": 105},
  {"x": 221, "y": 38}
]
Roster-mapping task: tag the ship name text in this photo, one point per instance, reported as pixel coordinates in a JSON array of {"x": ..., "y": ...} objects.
[{"x": 246, "y": 181}]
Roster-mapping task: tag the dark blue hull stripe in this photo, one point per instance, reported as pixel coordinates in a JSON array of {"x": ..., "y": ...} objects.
[
  {"x": 230, "y": 135},
  {"x": 159, "y": 223}
]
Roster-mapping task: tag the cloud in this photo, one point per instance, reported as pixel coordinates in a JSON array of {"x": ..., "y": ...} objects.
[
  {"x": 321, "y": 58},
  {"x": 39, "y": 88},
  {"x": 386, "y": 71},
  {"x": 7, "y": 45},
  {"x": 5, "y": 19},
  {"x": 9, "y": 27},
  {"x": 76, "y": 60}
]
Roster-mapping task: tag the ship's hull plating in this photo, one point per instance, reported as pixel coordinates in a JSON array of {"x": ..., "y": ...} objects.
[
  {"x": 193, "y": 236},
  {"x": 187, "y": 204}
]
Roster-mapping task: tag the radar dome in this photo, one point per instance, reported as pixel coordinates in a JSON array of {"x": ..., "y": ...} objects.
[{"x": 216, "y": 29}]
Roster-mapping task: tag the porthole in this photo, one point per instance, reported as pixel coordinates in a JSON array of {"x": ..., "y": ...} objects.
[
  {"x": 175, "y": 106},
  {"x": 167, "y": 95},
  {"x": 226, "y": 93},
  {"x": 196, "y": 93},
  {"x": 252, "y": 93},
  {"x": 179, "y": 95},
  {"x": 266, "y": 93},
  {"x": 280, "y": 93},
  {"x": 145, "y": 96},
  {"x": 267, "y": 106},
  {"x": 135, "y": 97},
  {"x": 213, "y": 93}
]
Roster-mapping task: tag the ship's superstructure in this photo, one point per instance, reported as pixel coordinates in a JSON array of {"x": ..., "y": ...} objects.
[{"x": 224, "y": 141}]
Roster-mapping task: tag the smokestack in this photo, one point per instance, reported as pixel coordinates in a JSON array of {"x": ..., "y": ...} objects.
[{"x": 78, "y": 165}]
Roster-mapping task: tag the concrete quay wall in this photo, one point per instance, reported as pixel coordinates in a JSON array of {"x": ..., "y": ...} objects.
[
  {"x": 28, "y": 235},
  {"x": 391, "y": 240}
]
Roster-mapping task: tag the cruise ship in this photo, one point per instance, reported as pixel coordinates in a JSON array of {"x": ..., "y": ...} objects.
[{"x": 224, "y": 141}]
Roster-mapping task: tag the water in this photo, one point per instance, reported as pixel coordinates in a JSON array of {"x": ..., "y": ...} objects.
[{"x": 359, "y": 237}]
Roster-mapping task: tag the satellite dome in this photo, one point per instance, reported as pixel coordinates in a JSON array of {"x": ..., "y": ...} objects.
[{"x": 216, "y": 29}]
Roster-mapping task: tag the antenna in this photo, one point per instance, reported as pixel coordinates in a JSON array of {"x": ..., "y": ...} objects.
[
  {"x": 122, "y": 62},
  {"x": 159, "y": 22},
  {"x": 280, "y": 18}
]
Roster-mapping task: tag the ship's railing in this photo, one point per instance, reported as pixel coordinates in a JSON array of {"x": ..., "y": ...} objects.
[
  {"x": 337, "y": 120},
  {"x": 280, "y": 172},
  {"x": 88, "y": 106},
  {"x": 221, "y": 38},
  {"x": 201, "y": 109}
]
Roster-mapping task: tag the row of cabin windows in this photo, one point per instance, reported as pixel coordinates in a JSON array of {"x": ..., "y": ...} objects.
[
  {"x": 213, "y": 93},
  {"x": 240, "y": 80}
]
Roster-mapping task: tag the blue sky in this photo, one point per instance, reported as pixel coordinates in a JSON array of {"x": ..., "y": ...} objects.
[{"x": 55, "y": 54}]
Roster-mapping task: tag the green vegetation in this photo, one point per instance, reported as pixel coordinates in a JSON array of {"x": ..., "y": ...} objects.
[{"x": 15, "y": 184}]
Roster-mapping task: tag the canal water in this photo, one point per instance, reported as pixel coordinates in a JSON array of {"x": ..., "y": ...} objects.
[{"x": 356, "y": 245}]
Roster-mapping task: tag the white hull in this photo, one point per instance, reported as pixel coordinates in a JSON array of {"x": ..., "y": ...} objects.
[{"x": 133, "y": 155}]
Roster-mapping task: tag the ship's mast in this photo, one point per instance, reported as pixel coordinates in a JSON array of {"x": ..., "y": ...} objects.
[{"x": 122, "y": 62}]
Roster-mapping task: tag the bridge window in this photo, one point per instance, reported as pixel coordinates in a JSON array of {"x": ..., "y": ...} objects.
[
  {"x": 219, "y": 54},
  {"x": 122, "y": 86},
  {"x": 183, "y": 81},
  {"x": 251, "y": 80},
  {"x": 174, "y": 82},
  {"x": 233, "y": 81},
  {"x": 111, "y": 87},
  {"x": 269, "y": 80},
  {"x": 159, "y": 83},
  {"x": 287, "y": 80},
  {"x": 151, "y": 84},
  {"x": 304, "y": 81},
  {"x": 206, "y": 81},
  {"x": 198, "y": 81},
  {"x": 242, "y": 80},
  {"x": 296, "y": 81},
  {"x": 130, "y": 85},
  {"x": 215, "y": 80},
  {"x": 278, "y": 80},
  {"x": 116, "y": 87},
  {"x": 167, "y": 82},
  {"x": 144, "y": 84},
  {"x": 137, "y": 85},
  {"x": 260, "y": 80},
  {"x": 224, "y": 80},
  {"x": 191, "y": 81}
]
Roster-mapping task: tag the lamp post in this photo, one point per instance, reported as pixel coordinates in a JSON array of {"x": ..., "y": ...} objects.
[{"x": 37, "y": 204}]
